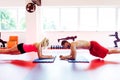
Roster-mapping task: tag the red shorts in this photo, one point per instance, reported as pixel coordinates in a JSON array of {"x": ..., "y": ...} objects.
[{"x": 97, "y": 50}]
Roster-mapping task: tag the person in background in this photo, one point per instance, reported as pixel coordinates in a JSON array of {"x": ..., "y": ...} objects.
[
  {"x": 25, "y": 48},
  {"x": 117, "y": 38}
]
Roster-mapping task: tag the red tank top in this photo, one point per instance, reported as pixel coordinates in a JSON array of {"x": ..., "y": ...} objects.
[{"x": 29, "y": 48}]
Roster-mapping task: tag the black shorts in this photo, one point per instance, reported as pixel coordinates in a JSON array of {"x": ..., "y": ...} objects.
[{"x": 20, "y": 48}]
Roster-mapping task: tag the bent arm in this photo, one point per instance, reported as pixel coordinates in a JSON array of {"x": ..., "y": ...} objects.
[
  {"x": 73, "y": 50},
  {"x": 39, "y": 51},
  {"x": 40, "y": 55}
]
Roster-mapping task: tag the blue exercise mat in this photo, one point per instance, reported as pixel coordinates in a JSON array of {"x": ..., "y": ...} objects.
[
  {"x": 44, "y": 60},
  {"x": 79, "y": 60}
]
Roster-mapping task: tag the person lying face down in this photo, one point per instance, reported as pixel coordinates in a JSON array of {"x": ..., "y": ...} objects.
[
  {"x": 94, "y": 48},
  {"x": 25, "y": 48}
]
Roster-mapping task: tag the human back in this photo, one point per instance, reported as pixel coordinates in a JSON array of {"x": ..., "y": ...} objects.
[{"x": 83, "y": 44}]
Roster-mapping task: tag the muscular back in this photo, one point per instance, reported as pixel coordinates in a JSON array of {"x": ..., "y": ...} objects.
[{"x": 81, "y": 44}]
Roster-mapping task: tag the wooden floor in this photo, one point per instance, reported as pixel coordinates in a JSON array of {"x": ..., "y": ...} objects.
[{"x": 20, "y": 67}]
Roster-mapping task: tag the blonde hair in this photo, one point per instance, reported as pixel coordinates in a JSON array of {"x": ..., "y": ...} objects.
[{"x": 44, "y": 42}]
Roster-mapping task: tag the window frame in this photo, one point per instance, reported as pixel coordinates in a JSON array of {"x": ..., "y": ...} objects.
[{"x": 97, "y": 13}]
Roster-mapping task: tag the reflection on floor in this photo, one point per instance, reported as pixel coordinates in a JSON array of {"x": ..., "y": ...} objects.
[{"x": 21, "y": 67}]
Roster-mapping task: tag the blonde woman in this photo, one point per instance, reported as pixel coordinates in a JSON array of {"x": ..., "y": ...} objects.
[{"x": 25, "y": 48}]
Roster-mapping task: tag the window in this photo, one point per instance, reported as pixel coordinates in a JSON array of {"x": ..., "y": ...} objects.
[
  {"x": 72, "y": 18},
  {"x": 118, "y": 19},
  {"x": 107, "y": 19},
  {"x": 88, "y": 19},
  {"x": 50, "y": 19},
  {"x": 69, "y": 19},
  {"x": 12, "y": 19}
]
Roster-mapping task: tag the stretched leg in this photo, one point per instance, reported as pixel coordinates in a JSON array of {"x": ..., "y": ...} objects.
[
  {"x": 114, "y": 51},
  {"x": 14, "y": 50}
]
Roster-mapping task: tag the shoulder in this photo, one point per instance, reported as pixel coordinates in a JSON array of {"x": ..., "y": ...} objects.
[
  {"x": 37, "y": 44},
  {"x": 80, "y": 42}
]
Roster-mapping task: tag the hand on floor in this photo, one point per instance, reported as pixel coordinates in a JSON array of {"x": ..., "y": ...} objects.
[{"x": 69, "y": 57}]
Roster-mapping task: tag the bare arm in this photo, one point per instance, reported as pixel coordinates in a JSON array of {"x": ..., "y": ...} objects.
[
  {"x": 72, "y": 54},
  {"x": 40, "y": 55},
  {"x": 39, "y": 51},
  {"x": 73, "y": 50}
]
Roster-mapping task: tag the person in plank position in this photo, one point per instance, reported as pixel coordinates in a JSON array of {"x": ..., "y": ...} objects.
[
  {"x": 25, "y": 48},
  {"x": 94, "y": 48}
]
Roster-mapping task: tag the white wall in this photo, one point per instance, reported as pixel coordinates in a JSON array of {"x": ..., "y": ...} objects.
[{"x": 8, "y": 3}]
